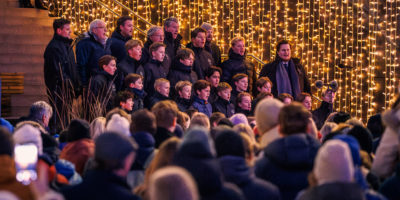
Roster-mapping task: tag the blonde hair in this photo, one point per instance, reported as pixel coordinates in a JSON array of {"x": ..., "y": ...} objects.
[
  {"x": 172, "y": 183},
  {"x": 236, "y": 39},
  {"x": 97, "y": 127},
  {"x": 199, "y": 119}
]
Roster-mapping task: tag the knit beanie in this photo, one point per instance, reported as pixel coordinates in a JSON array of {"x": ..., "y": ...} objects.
[
  {"x": 28, "y": 134},
  {"x": 239, "y": 118},
  {"x": 78, "y": 129},
  {"x": 333, "y": 163},
  {"x": 363, "y": 136},
  {"x": 201, "y": 136},
  {"x": 266, "y": 113},
  {"x": 111, "y": 146},
  {"x": 229, "y": 142},
  {"x": 118, "y": 124}
]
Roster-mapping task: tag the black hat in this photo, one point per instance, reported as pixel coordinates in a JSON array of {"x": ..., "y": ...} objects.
[
  {"x": 78, "y": 129},
  {"x": 229, "y": 142}
]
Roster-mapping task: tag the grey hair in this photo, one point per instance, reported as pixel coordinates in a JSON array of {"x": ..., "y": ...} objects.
[
  {"x": 169, "y": 20},
  {"x": 94, "y": 24},
  {"x": 206, "y": 26},
  {"x": 40, "y": 108},
  {"x": 153, "y": 30}
]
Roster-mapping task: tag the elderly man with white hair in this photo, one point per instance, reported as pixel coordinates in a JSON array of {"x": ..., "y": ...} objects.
[
  {"x": 90, "y": 49},
  {"x": 154, "y": 34},
  {"x": 211, "y": 46}
]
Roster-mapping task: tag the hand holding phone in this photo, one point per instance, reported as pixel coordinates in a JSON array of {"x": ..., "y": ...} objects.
[{"x": 26, "y": 157}]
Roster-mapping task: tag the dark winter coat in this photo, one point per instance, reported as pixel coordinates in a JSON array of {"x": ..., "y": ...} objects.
[
  {"x": 146, "y": 144},
  {"x": 213, "y": 95},
  {"x": 172, "y": 44},
  {"x": 88, "y": 53},
  {"x": 154, "y": 99},
  {"x": 333, "y": 191},
  {"x": 154, "y": 70},
  {"x": 320, "y": 114},
  {"x": 118, "y": 45},
  {"x": 126, "y": 66},
  {"x": 214, "y": 50},
  {"x": 59, "y": 64},
  {"x": 183, "y": 104},
  {"x": 181, "y": 72},
  {"x": 161, "y": 135},
  {"x": 138, "y": 99},
  {"x": 202, "y": 106},
  {"x": 240, "y": 110},
  {"x": 287, "y": 162},
  {"x": 102, "y": 88},
  {"x": 237, "y": 64},
  {"x": 205, "y": 169},
  {"x": 235, "y": 170},
  {"x": 390, "y": 188},
  {"x": 224, "y": 106},
  {"x": 100, "y": 184},
  {"x": 269, "y": 70},
  {"x": 202, "y": 61}
]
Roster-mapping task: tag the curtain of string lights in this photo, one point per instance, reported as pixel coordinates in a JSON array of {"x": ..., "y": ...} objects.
[{"x": 362, "y": 35}]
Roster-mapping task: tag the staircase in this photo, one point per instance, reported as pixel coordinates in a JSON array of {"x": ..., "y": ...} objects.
[{"x": 24, "y": 34}]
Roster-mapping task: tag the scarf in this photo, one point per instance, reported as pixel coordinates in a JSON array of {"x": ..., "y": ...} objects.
[{"x": 287, "y": 82}]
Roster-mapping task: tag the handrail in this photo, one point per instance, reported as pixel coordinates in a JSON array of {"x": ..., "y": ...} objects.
[
  {"x": 108, "y": 8},
  {"x": 249, "y": 55},
  {"x": 131, "y": 11}
]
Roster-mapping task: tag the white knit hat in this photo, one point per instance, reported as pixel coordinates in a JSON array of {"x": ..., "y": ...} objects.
[
  {"x": 118, "y": 124},
  {"x": 333, "y": 163},
  {"x": 266, "y": 113},
  {"x": 28, "y": 134}
]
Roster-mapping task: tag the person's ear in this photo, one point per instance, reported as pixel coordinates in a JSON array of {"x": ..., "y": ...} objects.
[{"x": 131, "y": 85}]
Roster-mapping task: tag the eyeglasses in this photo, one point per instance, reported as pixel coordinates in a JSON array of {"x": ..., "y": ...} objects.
[{"x": 102, "y": 27}]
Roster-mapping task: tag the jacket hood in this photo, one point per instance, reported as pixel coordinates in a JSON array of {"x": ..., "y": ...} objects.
[
  {"x": 293, "y": 152},
  {"x": 234, "y": 169},
  {"x": 234, "y": 56}
]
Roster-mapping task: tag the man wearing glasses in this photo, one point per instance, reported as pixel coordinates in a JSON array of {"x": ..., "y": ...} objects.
[
  {"x": 155, "y": 34},
  {"x": 90, "y": 49}
]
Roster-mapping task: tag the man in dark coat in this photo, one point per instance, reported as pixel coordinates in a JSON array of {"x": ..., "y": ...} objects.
[
  {"x": 288, "y": 161},
  {"x": 60, "y": 70},
  {"x": 121, "y": 34},
  {"x": 172, "y": 37},
  {"x": 108, "y": 179},
  {"x": 211, "y": 46},
  {"x": 203, "y": 59},
  {"x": 90, "y": 49},
  {"x": 286, "y": 73}
]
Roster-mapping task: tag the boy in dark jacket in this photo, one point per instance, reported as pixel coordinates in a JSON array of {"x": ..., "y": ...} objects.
[
  {"x": 200, "y": 101},
  {"x": 213, "y": 76},
  {"x": 124, "y": 100},
  {"x": 182, "y": 68},
  {"x": 223, "y": 103},
  {"x": 134, "y": 84},
  {"x": 102, "y": 86},
  {"x": 240, "y": 84},
  {"x": 161, "y": 93},
  {"x": 184, "y": 90},
  {"x": 243, "y": 103},
  {"x": 154, "y": 68}
]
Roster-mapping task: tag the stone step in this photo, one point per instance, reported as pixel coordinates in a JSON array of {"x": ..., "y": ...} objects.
[
  {"x": 27, "y": 29},
  {"x": 25, "y": 39},
  {"x": 18, "y": 58},
  {"x": 22, "y": 49},
  {"x": 23, "y": 67},
  {"x": 9, "y": 4},
  {"x": 23, "y": 12},
  {"x": 26, "y": 21}
]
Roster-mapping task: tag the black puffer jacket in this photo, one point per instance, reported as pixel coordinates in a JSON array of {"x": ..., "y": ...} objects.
[
  {"x": 202, "y": 61},
  {"x": 146, "y": 57},
  {"x": 224, "y": 106},
  {"x": 118, "y": 45},
  {"x": 183, "y": 104},
  {"x": 181, "y": 72},
  {"x": 102, "y": 88}
]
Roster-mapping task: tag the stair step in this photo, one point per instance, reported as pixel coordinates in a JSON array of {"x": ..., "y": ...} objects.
[
  {"x": 20, "y": 48},
  {"x": 27, "y": 21},
  {"x": 20, "y": 59},
  {"x": 23, "y": 29},
  {"x": 23, "y": 67},
  {"x": 23, "y": 12},
  {"x": 28, "y": 39}
]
